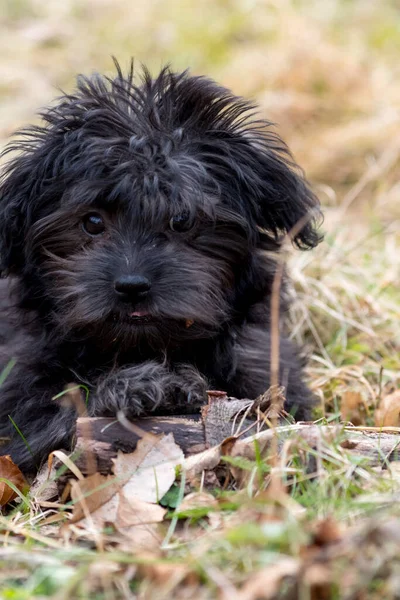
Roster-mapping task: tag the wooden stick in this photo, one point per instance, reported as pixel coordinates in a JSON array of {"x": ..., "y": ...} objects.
[{"x": 107, "y": 436}]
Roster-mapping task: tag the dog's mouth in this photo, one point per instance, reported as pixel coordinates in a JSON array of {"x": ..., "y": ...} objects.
[
  {"x": 136, "y": 317},
  {"x": 141, "y": 317}
]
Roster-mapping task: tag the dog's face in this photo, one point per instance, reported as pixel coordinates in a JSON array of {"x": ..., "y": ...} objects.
[
  {"x": 123, "y": 261},
  {"x": 140, "y": 212}
]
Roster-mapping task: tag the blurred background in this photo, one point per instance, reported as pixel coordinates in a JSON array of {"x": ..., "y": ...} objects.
[{"x": 327, "y": 72}]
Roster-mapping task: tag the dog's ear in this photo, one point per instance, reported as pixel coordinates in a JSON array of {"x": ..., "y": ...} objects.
[
  {"x": 252, "y": 165},
  {"x": 288, "y": 204},
  {"x": 29, "y": 185},
  {"x": 18, "y": 183},
  {"x": 280, "y": 197}
]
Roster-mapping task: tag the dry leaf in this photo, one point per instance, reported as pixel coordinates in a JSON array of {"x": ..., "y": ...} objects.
[
  {"x": 149, "y": 472},
  {"x": 204, "y": 461},
  {"x": 169, "y": 574},
  {"x": 388, "y": 412},
  {"x": 91, "y": 493},
  {"x": 123, "y": 512},
  {"x": 266, "y": 583},
  {"x": 101, "y": 516},
  {"x": 145, "y": 474},
  {"x": 353, "y": 407},
  {"x": 197, "y": 500},
  {"x": 127, "y": 501},
  {"x": 10, "y": 471},
  {"x": 318, "y": 579},
  {"x": 136, "y": 521},
  {"x": 138, "y": 538},
  {"x": 133, "y": 511},
  {"x": 327, "y": 532}
]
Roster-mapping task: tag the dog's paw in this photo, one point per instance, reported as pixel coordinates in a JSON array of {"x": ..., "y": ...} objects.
[
  {"x": 189, "y": 392},
  {"x": 134, "y": 390},
  {"x": 149, "y": 387}
]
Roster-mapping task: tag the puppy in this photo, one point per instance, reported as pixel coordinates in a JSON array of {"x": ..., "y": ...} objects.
[{"x": 139, "y": 228}]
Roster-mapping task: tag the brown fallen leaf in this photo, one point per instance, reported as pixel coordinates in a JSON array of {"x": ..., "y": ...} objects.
[
  {"x": 10, "y": 471},
  {"x": 327, "y": 532},
  {"x": 123, "y": 512},
  {"x": 318, "y": 579},
  {"x": 91, "y": 493},
  {"x": 169, "y": 574},
  {"x": 353, "y": 407},
  {"x": 267, "y": 582},
  {"x": 139, "y": 538},
  {"x": 149, "y": 471},
  {"x": 388, "y": 412},
  {"x": 138, "y": 522},
  {"x": 197, "y": 500},
  {"x": 145, "y": 474},
  {"x": 127, "y": 500},
  {"x": 207, "y": 460},
  {"x": 133, "y": 519},
  {"x": 133, "y": 511}
]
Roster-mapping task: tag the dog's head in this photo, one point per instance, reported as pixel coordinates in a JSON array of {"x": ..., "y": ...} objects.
[{"x": 139, "y": 209}]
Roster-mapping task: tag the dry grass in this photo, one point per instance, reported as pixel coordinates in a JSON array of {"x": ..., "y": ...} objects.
[{"x": 328, "y": 74}]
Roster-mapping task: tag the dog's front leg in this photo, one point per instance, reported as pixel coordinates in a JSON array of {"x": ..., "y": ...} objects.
[
  {"x": 251, "y": 373},
  {"x": 147, "y": 388},
  {"x": 32, "y": 424}
]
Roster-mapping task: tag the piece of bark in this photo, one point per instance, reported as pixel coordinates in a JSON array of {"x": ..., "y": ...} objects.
[
  {"x": 223, "y": 417},
  {"x": 100, "y": 438}
]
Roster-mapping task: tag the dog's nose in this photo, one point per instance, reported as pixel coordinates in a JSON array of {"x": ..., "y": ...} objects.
[{"x": 131, "y": 288}]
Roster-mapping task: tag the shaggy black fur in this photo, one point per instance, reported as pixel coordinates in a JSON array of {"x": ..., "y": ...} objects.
[{"x": 138, "y": 228}]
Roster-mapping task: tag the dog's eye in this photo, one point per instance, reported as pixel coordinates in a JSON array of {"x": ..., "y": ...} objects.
[
  {"x": 181, "y": 223},
  {"x": 93, "y": 224}
]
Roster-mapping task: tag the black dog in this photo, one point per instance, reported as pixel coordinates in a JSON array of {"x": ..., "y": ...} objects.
[{"x": 138, "y": 228}]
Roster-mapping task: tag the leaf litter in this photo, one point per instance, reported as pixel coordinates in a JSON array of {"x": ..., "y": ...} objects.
[
  {"x": 127, "y": 500},
  {"x": 12, "y": 480},
  {"x": 156, "y": 501}
]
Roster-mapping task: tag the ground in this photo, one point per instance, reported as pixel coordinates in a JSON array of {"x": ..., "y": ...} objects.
[{"x": 328, "y": 74}]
